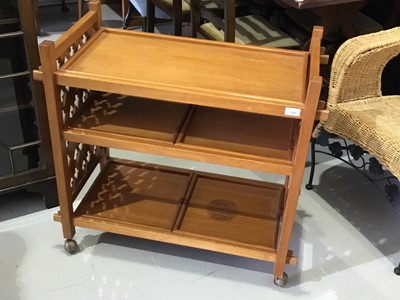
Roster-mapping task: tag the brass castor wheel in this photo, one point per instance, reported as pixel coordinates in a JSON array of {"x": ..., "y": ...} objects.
[
  {"x": 71, "y": 246},
  {"x": 281, "y": 281},
  {"x": 397, "y": 270}
]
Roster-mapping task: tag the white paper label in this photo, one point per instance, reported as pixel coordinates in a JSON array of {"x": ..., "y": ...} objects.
[{"x": 294, "y": 112}]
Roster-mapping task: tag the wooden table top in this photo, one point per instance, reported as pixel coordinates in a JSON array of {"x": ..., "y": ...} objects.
[{"x": 303, "y": 4}]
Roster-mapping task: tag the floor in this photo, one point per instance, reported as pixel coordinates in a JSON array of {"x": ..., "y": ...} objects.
[{"x": 346, "y": 236}]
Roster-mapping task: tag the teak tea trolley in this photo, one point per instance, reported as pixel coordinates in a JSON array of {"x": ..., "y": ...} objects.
[{"x": 241, "y": 106}]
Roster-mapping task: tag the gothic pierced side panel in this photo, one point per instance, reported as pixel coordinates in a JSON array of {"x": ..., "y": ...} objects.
[
  {"x": 72, "y": 99},
  {"x": 82, "y": 159},
  {"x": 75, "y": 47}
]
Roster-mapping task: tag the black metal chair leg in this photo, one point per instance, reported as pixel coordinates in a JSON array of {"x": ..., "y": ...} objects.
[
  {"x": 144, "y": 24},
  {"x": 309, "y": 185},
  {"x": 64, "y": 7}
]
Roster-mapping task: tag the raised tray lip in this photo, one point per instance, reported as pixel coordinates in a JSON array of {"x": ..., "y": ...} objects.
[
  {"x": 191, "y": 95},
  {"x": 187, "y": 40}
]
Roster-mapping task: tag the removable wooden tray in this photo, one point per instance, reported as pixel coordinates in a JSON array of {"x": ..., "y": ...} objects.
[
  {"x": 184, "y": 205},
  {"x": 113, "y": 114},
  {"x": 236, "y": 133},
  {"x": 228, "y": 137},
  {"x": 123, "y": 61},
  {"x": 233, "y": 210},
  {"x": 136, "y": 194}
]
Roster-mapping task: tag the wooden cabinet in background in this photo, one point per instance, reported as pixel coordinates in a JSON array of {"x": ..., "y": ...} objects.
[{"x": 25, "y": 149}]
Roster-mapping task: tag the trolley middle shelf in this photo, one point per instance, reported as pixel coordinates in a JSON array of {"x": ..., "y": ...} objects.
[{"x": 228, "y": 137}]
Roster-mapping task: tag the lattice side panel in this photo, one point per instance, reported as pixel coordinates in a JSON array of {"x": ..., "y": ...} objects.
[
  {"x": 82, "y": 159},
  {"x": 72, "y": 99},
  {"x": 75, "y": 47}
]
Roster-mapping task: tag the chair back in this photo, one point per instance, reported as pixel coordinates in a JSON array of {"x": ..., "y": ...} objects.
[{"x": 358, "y": 64}]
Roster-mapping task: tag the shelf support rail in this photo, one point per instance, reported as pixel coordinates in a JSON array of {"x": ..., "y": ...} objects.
[
  {"x": 53, "y": 55},
  {"x": 293, "y": 183}
]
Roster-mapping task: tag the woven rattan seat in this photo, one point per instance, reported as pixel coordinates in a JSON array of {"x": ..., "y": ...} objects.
[
  {"x": 357, "y": 109},
  {"x": 373, "y": 124}
]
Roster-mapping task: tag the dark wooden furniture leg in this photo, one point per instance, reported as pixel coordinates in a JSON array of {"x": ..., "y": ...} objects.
[
  {"x": 64, "y": 7},
  {"x": 177, "y": 17},
  {"x": 229, "y": 20},
  {"x": 150, "y": 16},
  {"x": 195, "y": 17}
]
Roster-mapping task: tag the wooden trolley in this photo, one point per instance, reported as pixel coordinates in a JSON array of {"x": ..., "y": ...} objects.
[{"x": 241, "y": 106}]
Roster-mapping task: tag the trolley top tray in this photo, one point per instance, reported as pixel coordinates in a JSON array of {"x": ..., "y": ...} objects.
[{"x": 255, "y": 79}]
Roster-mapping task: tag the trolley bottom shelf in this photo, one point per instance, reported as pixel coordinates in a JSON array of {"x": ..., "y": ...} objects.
[{"x": 184, "y": 207}]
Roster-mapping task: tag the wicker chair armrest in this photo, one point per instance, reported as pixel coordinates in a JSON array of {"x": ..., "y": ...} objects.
[{"x": 358, "y": 64}]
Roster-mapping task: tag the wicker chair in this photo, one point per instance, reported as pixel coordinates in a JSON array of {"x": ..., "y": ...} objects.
[{"x": 357, "y": 109}]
